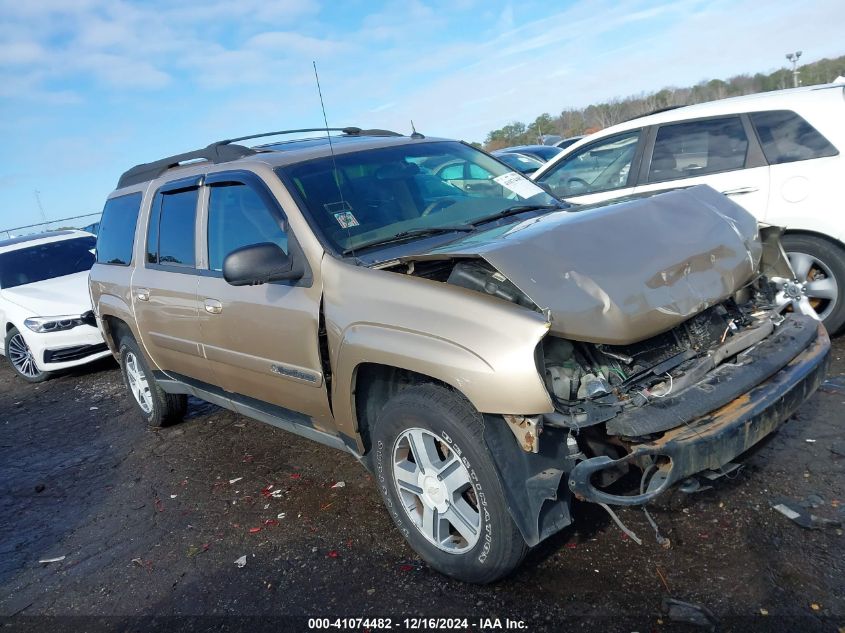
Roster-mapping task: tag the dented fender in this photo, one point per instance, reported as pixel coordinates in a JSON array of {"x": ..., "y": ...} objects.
[{"x": 480, "y": 345}]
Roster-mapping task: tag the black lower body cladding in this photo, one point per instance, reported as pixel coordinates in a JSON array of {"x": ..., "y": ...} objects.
[{"x": 714, "y": 439}]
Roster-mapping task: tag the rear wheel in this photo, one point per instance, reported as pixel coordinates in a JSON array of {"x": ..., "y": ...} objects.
[
  {"x": 21, "y": 359},
  {"x": 155, "y": 406},
  {"x": 819, "y": 283},
  {"x": 440, "y": 485}
]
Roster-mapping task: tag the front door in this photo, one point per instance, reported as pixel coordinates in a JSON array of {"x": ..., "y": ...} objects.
[
  {"x": 599, "y": 171},
  {"x": 262, "y": 341}
]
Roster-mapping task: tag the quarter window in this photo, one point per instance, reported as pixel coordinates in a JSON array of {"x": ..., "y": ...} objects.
[
  {"x": 696, "y": 148},
  {"x": 601, "y": 166},
  {"x": 237, "y": 217},
  {"x": 786, "y": 137},
  {"x": 117, "y": 230},
  {"x": 171, "y": 236}
]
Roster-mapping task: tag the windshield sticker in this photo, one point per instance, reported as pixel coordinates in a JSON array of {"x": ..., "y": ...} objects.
[
  {"x": 519, "y": 184},
  {"x": 346, "y": 219}
]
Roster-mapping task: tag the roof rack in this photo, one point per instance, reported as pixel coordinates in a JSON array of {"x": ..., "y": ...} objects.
[
  {"x": 657, "y": 111},
  {"x": 225, "y": 151}
]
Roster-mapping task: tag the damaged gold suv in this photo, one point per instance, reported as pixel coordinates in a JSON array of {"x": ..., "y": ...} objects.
[{"x": 487, "y": 351}]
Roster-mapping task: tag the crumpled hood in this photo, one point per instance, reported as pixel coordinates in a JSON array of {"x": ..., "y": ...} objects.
[
  {"x": 628, "y": 270},
  {"x": 61, "y": 296}
]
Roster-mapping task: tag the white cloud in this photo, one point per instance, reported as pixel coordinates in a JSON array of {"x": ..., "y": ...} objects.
[
  {"x": 21, "y": 53},
  {"x": 292, "y": 43}
]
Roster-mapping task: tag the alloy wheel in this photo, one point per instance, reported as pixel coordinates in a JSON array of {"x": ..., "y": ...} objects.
[
  {"x": 436, "y": 491},
  {"x": 813, "y": 291},
  {"x": 138, "y": 384},
  {"x": 21, "y": 357}
]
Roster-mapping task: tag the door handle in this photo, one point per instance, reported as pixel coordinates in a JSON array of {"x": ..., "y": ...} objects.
[
  {"x": 142, "y": 294},
  {"x": 740, "y": 190},
  {"x": 213, "y": 306}
]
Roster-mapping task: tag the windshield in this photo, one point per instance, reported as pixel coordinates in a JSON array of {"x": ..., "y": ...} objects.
[
  {"x": 46, "y": 261},
  {"x": 374, "y": 195}
]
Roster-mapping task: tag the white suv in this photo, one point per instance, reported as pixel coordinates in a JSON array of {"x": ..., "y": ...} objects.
[
  {"x": 45, "y": 307},
  {"x": 777, "y": 154}
]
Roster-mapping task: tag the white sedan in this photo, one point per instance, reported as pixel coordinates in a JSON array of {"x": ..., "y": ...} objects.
[{"x": 45, "y": 308}]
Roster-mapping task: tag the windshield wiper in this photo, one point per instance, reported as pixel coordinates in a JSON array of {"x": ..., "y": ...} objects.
[
  {"x": 402, "y": 235},
  {"x": 514, "y": 210}
]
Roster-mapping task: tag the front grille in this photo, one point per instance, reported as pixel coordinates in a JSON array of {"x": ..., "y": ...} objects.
[{"x": 73, "y": 353}]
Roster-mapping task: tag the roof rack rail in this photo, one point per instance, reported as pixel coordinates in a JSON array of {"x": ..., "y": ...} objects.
[
  {"x": 348, "y": 131},
  {"x": 657, "y": 111},
  {"x": 224, "y": 152},
  {"x": 220, "y": 152}
]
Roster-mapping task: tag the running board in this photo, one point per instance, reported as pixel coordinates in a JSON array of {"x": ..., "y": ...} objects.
[{"x": 279, "y": 417}]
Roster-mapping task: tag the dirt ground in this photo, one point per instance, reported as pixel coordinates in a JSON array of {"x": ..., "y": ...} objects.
[{"x": 151, "y": 522}]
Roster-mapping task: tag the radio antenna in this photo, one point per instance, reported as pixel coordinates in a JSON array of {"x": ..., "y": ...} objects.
[{"x": 335, "y": 175}]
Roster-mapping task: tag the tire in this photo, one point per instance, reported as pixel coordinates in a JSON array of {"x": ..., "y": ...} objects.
[
  {"x": 438, "y": 429},
  {"x": 828, "y": 262},
  {"x": 21, "y": 359},
  {"x": 151, "y": 402}
]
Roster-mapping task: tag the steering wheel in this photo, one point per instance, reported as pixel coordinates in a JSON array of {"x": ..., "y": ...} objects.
[
  {"x": 579, "y": 183},
  {"x": 439, "y": 204}
]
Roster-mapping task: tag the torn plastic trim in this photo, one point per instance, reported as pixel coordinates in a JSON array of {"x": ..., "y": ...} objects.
[
  {"x": 714, "y": 440},
  {"x": 537, "y": 500},
  {"x": 526, "y": 429}
]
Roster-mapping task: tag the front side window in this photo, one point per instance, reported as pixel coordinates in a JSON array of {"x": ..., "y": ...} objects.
[
  {"x": 237, "y": 217},
  {"x": 116, "y": 233},
  {"x": 170, "y": 240},
  {"x": 46, "y": 261},
  {"x": 362, "y": 198},
  {"x": 787, "y": 137},
  {"x": 600, "y": 166},
  {"x": 697, "y": 148}
]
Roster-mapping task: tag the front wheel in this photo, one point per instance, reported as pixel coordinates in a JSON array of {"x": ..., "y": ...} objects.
[
  {"x": 21, "y": 358},
  {"x": 819, "y": 283},
  {"x": 155, "y": 406},
  {"x": 439, "y": 483}
]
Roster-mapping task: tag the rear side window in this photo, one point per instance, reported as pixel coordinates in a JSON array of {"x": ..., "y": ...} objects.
[
  {"x": 786, "y": 137},
  {"x": 117, "y": 230},
  {"x": 170, "y": 240},
  {"x": 237, "y": 217},
  {"x": 697, "y": 148}
]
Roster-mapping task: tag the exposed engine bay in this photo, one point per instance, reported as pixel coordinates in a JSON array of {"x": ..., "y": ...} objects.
[{"x": 591, "y": 383}]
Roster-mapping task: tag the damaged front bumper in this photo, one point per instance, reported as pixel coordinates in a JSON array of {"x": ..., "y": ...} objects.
[{"x": 712, "y": 440}]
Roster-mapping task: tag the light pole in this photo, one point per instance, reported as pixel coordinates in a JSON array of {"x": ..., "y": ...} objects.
[{"x": 793, "y": 57}]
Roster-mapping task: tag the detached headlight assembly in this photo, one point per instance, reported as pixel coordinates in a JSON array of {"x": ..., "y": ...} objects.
[{"x": 53, "y": 324}]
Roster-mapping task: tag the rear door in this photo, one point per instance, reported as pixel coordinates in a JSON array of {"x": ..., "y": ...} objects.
[
  {"x": 721, "y": 152},
  {"x": 598, "y": 171},
  {"x": 262, "y": 341},
  {"x": 164, "y": 286}
]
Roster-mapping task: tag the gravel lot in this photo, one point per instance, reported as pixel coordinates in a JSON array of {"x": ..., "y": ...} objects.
[{"x": 151, "y": 522}]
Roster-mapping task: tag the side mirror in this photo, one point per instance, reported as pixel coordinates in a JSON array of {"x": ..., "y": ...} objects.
[{"x": 259, "y": 264}]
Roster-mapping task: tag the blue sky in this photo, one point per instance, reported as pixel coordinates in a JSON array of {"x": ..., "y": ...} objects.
[{"x": 89, "y": 88}]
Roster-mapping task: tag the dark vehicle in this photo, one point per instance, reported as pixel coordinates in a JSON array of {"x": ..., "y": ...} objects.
[
  {"x": 521, "y": 162},
  {"x": 540, "y": 152}
]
